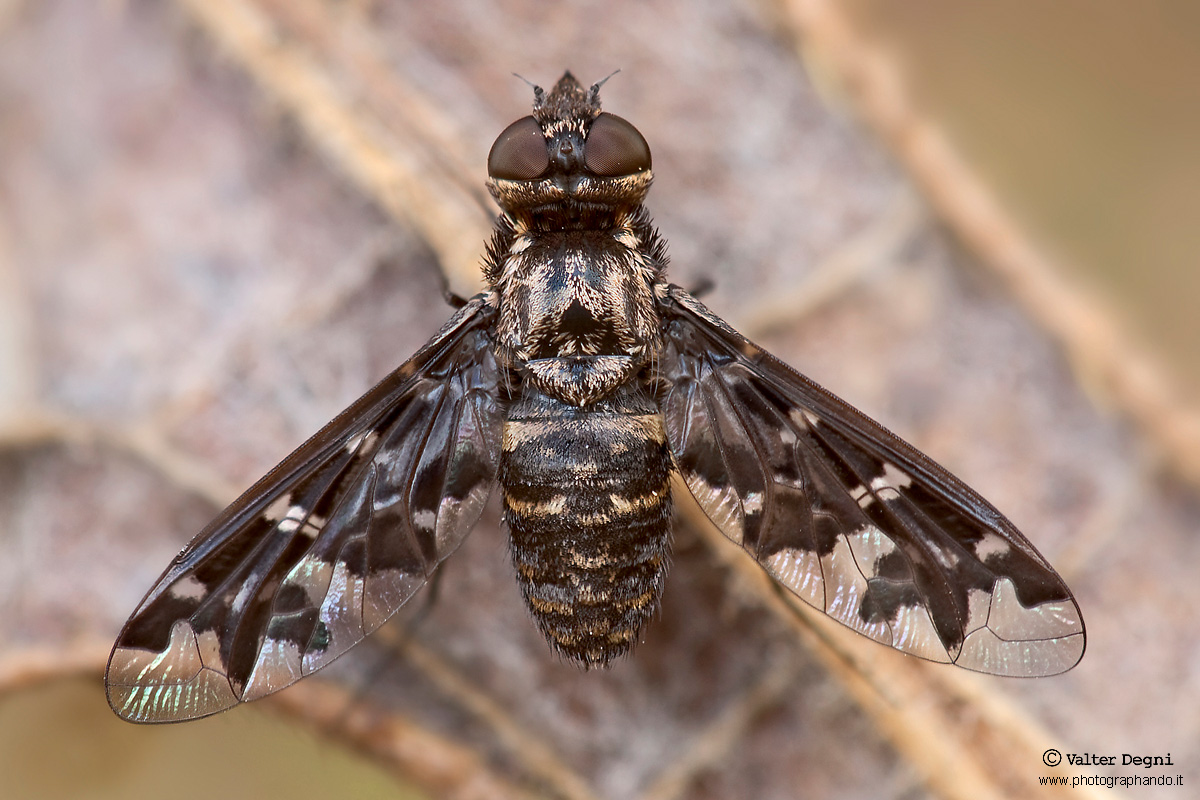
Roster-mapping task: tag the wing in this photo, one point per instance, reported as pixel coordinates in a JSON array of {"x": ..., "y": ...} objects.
[
  {"x": 327, "y": 546},
  {"x": 854, "y": 521}
]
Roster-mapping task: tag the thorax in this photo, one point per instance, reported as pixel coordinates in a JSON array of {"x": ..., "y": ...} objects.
[{"x": 577, "y": 310}]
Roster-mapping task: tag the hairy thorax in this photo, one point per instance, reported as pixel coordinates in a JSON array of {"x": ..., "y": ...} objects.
[{"x": 576, "y": 311}]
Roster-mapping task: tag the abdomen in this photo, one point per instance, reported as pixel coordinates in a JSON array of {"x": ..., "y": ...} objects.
[{"x": 587, "y": 502}]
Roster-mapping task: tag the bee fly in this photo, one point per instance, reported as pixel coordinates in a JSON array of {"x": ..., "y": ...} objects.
[{"x": 580, "y": 380}]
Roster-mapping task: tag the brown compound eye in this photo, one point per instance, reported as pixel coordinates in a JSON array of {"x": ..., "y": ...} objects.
[
  {"x": 519, "y": 153},
  {"x": 614, "y": 148}
]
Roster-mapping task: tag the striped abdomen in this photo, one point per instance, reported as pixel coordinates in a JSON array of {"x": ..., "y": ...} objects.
[{"x": 587, "y": 501}]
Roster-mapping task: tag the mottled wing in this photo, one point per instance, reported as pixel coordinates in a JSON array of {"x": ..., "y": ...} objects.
[
  {"x": 326, "y": 547},
  {"x": 854, "y": 521}
]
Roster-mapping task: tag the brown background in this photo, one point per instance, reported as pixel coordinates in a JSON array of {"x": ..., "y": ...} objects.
[{"x": 221, "y": 221}]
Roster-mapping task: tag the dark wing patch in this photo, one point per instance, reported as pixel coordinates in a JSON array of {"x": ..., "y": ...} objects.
[
  {"x": 327, "y": 546},
  {"x": 850, "y": 518}
]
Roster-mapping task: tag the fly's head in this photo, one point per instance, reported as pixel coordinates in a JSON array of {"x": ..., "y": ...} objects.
[{"x": 568, "y": 162}]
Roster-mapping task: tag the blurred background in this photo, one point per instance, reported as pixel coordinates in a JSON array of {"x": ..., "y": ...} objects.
[
  {"x": 1083, "y": 119},
  {"x": 222, "y": 221}
]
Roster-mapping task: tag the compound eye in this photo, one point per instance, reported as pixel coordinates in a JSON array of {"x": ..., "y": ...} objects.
[
  {"x": 519, "y": 153},
  {"x": 614, "y": 148}
]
